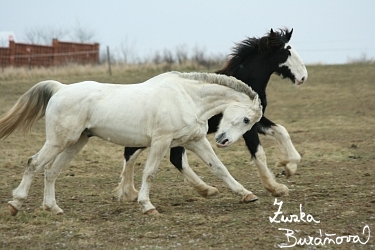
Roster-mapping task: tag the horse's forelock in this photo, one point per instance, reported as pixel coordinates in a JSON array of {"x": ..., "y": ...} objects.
[
  {"x": 277, "y": 39},
  {"x": 283, "y": 33}
]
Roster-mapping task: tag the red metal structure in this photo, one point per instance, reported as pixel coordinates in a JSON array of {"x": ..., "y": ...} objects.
[{"x": 60, "y": 53}]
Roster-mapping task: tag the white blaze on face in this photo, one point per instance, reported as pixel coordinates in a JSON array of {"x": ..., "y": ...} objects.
[{"x": 296, "y": 65}]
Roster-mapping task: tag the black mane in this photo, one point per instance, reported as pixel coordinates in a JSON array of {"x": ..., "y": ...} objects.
[{"x": 249, "y": 48}]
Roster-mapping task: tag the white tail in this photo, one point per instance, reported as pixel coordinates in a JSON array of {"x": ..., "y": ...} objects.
[{"x": 29, "y": 108}]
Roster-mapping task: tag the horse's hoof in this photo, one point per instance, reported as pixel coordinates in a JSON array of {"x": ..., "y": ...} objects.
[
  {"x": 250, "y": 198},
  {"x": 212, "y": 191},
  {"x": 208, "y": 192},
  {"x": 290, "y": 169},
  {"x": 280, "y": 190},
  {"x": 13, "y": 210},
  {"x": 152, "y": 212},
  {"x": 129, "y": 196},
  {"x": 56, "y": 210}
]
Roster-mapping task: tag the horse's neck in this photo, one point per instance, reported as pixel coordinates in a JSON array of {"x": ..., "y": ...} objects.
[
  {"x": 254, "y": 74},
  {"x": 256, "y": 82},
  {"x": 214, "y": 99}
]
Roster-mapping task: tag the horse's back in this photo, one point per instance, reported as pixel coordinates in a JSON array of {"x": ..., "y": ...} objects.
[{"x": 135, "y": 111}]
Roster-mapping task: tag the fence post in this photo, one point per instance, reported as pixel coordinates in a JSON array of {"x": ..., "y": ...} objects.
[
  {"x": 55, "y": 59},
  {"x": 96, "y": 55},
  {"x": 12, "y": 53},
  {"x": 109, "y": 61}
]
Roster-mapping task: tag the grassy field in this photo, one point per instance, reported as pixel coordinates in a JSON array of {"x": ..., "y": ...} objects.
[{"x": 331, "y": 120}]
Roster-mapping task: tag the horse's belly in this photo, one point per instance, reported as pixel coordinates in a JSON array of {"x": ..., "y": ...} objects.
[{"x": 123, "y": 137}]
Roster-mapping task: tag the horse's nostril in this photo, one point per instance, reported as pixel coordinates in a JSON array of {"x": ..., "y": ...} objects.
[
  {"x": 220, "y": 137},
  {"x": 302, "y": 79}
]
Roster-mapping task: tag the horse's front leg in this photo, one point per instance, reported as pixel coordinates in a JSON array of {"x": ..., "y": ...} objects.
[
  {"x": 158, "y": 150},
  {"x": 126, "y": 189},
  {"x": 179, "y": 159},
  {"x": 204, "y": 150},
  {"x": 268, "y": 180},
  {"x": 289, "y": 157}
]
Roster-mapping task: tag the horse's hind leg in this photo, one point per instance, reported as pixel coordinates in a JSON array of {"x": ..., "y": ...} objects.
[
  {"x": 268, "y": 180},
  {"x": 179, "y": 159},
  {"x": 289, "y": 157},
  {"x": 53, "y": 170},
  {"x": 34, "y": 165},
  {"x": 126, "y": 190}
]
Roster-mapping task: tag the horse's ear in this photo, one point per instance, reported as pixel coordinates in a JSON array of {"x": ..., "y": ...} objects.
[
  {"x": 273, "y": 40},
  {"x": 289, "y": 35},
  {"x": 272, "y": 33},
  {"x": 256, "y": 99}
]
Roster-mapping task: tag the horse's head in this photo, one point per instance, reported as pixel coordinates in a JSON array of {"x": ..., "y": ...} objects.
[
  {"x": 289, "y": 63},
  {"x": 255, "y": 59},
  {"x": 238, "y": 118}
]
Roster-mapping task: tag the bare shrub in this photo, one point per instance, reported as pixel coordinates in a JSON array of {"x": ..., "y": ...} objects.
[
  {"x": 82, "y": 34},
  {"x": 182, "y": 54},
  {"x": 199, "y": 55},
  {"x": 44, "y": 35},
  {"x": 128, "y": 51},
  {"x": 362, "y": 59},
  {"x": 157, "y": 58},
  {"x": 168, "y": 57}
]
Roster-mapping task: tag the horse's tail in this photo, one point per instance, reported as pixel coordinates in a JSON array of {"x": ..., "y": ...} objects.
[{"x": 29, "y": 108}]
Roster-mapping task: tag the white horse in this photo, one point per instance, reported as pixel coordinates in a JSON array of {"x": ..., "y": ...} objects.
[{"x": 166, "y": 111}]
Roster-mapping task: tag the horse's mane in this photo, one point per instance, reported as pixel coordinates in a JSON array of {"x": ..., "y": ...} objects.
[
  {"x": 228, "y": 81},
  {"x": 248, "y": 48}
]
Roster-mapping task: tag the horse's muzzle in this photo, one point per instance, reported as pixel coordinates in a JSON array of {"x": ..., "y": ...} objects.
[
  {"x": 300, "y": 81},
  {"x": 221, "y": 140}
]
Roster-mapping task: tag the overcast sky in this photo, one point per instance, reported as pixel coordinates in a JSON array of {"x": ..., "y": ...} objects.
[{"x": 325, "y": 31}]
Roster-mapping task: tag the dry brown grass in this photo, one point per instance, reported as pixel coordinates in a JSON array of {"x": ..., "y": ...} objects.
[
  {"x": 330, "y": 119},
  {"x": 97, "y": 72}
]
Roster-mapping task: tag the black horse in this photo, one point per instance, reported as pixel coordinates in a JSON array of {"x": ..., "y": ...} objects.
[{"x": 253, "y": 61}]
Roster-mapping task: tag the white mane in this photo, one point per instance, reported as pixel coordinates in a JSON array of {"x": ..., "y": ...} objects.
[{"x": 224, "y": 80}]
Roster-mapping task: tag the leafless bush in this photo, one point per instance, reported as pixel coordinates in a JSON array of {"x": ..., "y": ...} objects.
[
  {"x": 199, "y": 55},
  {"x": 362, "y": 59},
  {"x": 182, "y": 54},
  {"x": 44, "y": 35},
  {"x": 82, "y": 34},
  {"x": 128, "y": 51},
  {"x": 168, "y": 57},
  {"x": 156, "y": 59}
]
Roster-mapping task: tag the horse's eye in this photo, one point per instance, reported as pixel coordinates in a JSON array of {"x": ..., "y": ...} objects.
[{"x": 246, "y": 120}]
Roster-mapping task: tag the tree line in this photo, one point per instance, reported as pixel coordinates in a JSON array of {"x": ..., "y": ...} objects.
[{"x": 126, "y": 52}]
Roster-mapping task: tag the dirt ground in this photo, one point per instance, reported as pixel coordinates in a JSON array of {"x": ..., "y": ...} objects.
[{"x": 331, "y": 120}]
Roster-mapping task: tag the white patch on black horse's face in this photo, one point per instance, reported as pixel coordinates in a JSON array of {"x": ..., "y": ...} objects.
[{"x": 293, "y": 67}]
